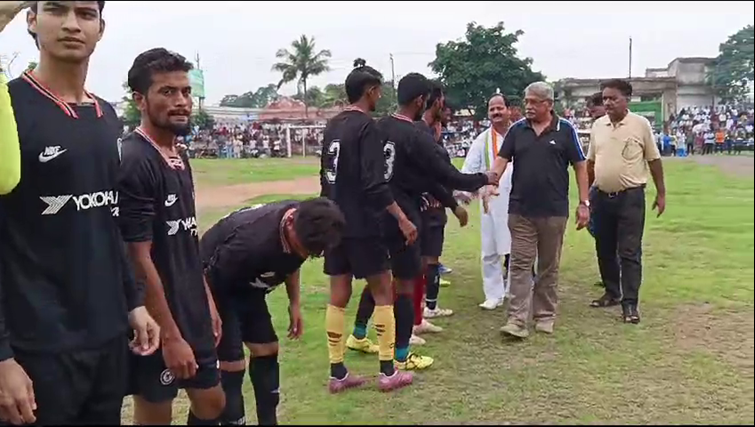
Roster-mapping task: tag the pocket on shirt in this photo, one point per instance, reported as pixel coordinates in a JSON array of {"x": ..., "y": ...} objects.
[{"x": 633, "y": 149}]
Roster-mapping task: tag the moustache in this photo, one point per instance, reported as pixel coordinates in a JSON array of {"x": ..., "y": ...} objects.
[{"x": 179, "y": 113}]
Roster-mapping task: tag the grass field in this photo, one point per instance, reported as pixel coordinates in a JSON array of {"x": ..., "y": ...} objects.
[
  {"x": 238, "y": 171},
  {"x": 690, "y": 361}
]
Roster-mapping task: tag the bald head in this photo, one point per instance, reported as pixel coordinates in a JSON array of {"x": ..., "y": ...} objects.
[{"x": 498, "y": 111}]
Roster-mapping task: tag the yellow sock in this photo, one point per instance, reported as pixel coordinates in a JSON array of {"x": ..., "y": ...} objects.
[
  {"x": 335, "y": 324},
  {"x": 385, "y": 324}
]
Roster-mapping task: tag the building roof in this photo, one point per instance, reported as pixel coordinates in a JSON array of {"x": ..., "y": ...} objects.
[{"x": 569, "y": 82}]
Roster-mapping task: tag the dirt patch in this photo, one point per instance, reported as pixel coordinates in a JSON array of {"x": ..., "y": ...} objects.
[
  {"x": 733, "y": 165},
  {"x": 233, "y": 195},
  {"x": 728, "y": 335}
]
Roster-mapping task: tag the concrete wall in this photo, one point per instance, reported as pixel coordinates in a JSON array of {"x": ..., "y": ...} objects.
[{"x": 688, "y": 72}]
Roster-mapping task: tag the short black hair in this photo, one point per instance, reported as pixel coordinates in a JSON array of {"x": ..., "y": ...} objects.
[
  {"x": 411, "y": 87},
  {"x": 596, "y": 99},
  {"x": 319, "y": 225},
  {"x": 360, "y": 78},
  {"x": 157, "y": 60},
  {"x": 621, "y": 85},
  {"x": 35, "y": 5},
  {"x": 436, "y": 92},
  {"x": 506, "y": 102}
]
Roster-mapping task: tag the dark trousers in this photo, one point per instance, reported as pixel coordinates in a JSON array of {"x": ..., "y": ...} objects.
[{"x": 619, "y": 225}]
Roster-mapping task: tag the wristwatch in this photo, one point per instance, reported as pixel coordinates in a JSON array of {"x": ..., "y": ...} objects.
[{"x": 585, "y": 203}]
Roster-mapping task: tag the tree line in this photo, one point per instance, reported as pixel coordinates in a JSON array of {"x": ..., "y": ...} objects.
[{"x": 472, "y": 69}]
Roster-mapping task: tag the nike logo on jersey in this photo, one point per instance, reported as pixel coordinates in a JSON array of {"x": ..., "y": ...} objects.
[
  {"x": 50, "y": 153},
  {"x": 171, "y": 200}
]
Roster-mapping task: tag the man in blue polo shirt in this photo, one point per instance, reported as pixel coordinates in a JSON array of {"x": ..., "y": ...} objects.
[{"x": 543, "y": 146}]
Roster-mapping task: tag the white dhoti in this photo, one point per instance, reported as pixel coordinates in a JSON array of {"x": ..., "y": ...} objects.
[{"x": 494, "y": 228}]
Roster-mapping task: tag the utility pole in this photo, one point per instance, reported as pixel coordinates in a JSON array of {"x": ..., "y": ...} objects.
[
  {"x": 393, "y": 76},
  {"x": 199, "y": 68},
  {"x": 630, "y": 57}
]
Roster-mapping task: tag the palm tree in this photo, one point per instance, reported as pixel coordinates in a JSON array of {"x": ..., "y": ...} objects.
[
  {"x": 300, "y": 63},
  {"x": 32, "y": 65}
]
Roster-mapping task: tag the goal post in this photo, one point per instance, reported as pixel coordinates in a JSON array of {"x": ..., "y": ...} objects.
[{"x": 304, "y": 131}]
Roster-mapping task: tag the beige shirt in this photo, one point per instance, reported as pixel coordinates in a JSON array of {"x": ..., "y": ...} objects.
[{"x": 621, "y": 152}]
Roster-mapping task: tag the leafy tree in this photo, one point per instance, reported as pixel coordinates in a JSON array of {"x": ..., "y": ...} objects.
[
  {"x": 472, "y": 69},
  {"x": 203, "y": 119},
  {"x": 131, "y": 114},
  {"x": 388, "y": 103},
  {"x": 731, "y": 73},
  {"x": 335, "y": 94},
  {"x": 301, "y": 62},
  {"x": 255, "y": 99},
  {"x": 31, "y": 66},
  {"x": 315, "y": 97}
]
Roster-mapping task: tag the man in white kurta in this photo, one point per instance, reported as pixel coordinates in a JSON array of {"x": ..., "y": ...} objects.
[{"x": 495, "y": 238}]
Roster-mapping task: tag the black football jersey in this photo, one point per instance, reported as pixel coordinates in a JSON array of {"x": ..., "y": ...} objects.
[
  {"x": 157, "y": 205},
  {"x": 247, "y": 250},
  {"x": 354, "y": 167},
  {"x": 65, "y": 281}
]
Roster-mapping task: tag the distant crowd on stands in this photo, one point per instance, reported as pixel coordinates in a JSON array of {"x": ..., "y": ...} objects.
[
  {"x": 255, "y": 139},
  {"x": 708, "y": 130}
]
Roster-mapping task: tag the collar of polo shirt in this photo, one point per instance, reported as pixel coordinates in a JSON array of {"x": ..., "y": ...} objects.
[
  {"x": 554, "y": 124},
  {"x": 621, "y": 123}
]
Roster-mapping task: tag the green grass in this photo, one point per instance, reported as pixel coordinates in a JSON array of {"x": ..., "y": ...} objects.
[
  {"x": 239, "y": 171},
  {"x": 690, "y": 361}
]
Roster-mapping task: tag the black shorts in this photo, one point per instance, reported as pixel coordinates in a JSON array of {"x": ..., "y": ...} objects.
[
  {"x": 79, "y": 387},
  {"x": 154, "y": 382},
  {"x": 432, "y": 237},
  {"x": 361, "y": 257},
  {"x": 406, "y": 260},
  {"x": 246, "y": 319}
]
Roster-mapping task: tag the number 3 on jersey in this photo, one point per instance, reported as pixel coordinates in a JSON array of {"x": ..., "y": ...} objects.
[
  {"x": 333, "y": 151},
  {"x": 389, "y": 151}
]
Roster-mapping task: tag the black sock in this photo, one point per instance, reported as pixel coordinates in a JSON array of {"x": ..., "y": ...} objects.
[
  {"x": 338, "y": 371},
  {"x": 265, "y": 375},
  {"x": 364, "y": 312},
  {"x": 432, "y": 281},
  {"x": 234, "y": 413},
  {"x": 387, "y": 368},
  {"x": 192, "y": 420},
  {"x": 403, "y": 310}
]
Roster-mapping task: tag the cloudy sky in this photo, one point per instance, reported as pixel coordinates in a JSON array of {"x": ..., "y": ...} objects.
[{"x": 237, "y": 41}]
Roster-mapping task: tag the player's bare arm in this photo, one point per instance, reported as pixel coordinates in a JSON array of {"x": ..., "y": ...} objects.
[
  {"x": 217, "y": 324},
  {"x": 293, "y": 289}
]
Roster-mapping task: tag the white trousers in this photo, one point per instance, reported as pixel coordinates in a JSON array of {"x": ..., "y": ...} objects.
[{"x": 495, "y": 242}]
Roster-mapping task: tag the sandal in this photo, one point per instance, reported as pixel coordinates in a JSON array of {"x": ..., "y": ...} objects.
[
  {"x": 605, "y": 301},
  {"x": 631, "y": 315}
]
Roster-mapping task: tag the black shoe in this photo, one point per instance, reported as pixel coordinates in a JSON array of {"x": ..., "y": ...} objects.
[{"x": 630, "y": 313}]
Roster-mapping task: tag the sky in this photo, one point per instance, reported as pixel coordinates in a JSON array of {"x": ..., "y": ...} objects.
[{"x": 237, "y": 41}]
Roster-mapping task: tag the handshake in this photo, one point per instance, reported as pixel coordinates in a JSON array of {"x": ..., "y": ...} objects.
[{"x": 493, "y": 178}]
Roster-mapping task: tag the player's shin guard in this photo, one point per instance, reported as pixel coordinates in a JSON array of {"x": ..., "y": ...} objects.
[
  {"x": 234, "y": 412},
  {"x": 364, "y": 312},
  {"x": 335, "y": 323},
  {"x": 265, "y": 375},
  {"x": 419, "y": 294},
  {"x": 404, "y": 313},
  {"x": 433, "y": 286},
  {"x": 385, "y": 325}
]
